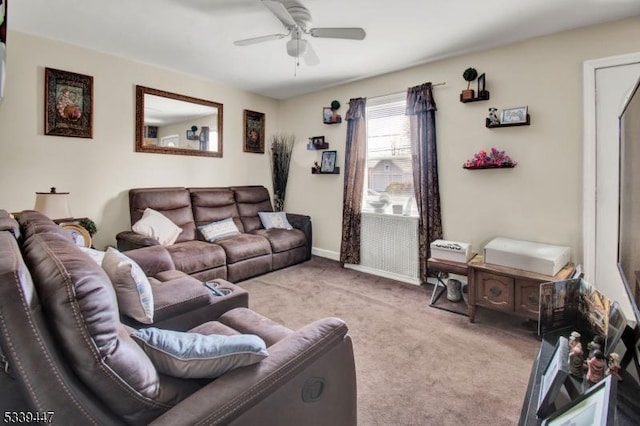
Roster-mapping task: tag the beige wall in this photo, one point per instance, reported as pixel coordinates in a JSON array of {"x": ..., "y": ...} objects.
[
  {"x": 99, "y": 171},
  {"x": 539, "y": 200}
]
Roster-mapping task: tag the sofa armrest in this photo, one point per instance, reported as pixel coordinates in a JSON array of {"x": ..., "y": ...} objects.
[
  {"x": 152, "y": 260},
  {"x": 313, "y": 370},
  {"x": 129, "y": 240},
  {"x": 303, "y": 223}
]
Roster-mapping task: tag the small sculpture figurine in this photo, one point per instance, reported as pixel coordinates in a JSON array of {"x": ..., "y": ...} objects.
[
  {"x": 596, "y": 367},
  {"x": 493, "y": 117},
  {"x": 614, "y": 366},
  {"x": 576, "y": 355},
  {"x": 595, "y": 344},
  {"x": 316, "y": 166}
]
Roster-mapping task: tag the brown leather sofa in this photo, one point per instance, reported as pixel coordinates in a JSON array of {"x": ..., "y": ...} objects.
[
  {"x": 70, "y": 360},
  {"x": 255, "y": 251}
]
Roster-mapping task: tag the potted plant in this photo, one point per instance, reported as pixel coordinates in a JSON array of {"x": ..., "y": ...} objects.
[{"x": 469, "y": 75}]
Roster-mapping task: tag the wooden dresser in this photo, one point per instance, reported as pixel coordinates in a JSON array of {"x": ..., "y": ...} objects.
[{"x": 507, "y": 289}]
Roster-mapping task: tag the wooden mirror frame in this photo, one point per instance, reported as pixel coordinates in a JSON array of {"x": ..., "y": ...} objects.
[{"x": 141, "y": 91}]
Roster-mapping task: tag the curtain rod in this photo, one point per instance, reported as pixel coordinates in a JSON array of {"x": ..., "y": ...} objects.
[{"x": 395, "y": 93}]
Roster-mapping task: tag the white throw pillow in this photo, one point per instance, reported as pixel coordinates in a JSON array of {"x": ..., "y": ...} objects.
[
  {"x": 132, "y": 286},
  {"x": 275, "y": 220},
  {"x": 156, "y": 225},
  {"x": 216, "y": 230},
  {"x": 96, "y": 255},
  {"x": 195, "y": 356}
]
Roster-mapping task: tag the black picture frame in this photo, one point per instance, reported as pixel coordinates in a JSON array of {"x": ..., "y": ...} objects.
[
  {"x": 481, "y": 84},
  {"x": 254, "y": 124},
  {"x": 317, "y": 140},
  {"x": 553, "y": 378},
  {"x": 597, "y": 406},
  {"x": 328, "y": 164},
  {"x": 68, "y": 104}
]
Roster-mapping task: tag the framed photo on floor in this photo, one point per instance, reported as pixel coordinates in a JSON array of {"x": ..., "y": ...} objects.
[
  {"x": 597, "y": 406},
  {"x": 553, "y": 378},
  {"x": 68, "y": 104}
]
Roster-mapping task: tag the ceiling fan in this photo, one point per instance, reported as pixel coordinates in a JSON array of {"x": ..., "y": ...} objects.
[{"x": 297, "y": 21}]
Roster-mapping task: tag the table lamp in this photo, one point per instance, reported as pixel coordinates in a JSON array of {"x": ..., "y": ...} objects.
[{"x": 53, "y": 204}]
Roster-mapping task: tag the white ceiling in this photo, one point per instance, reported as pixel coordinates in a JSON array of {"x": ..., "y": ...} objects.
[{"x": 196, "y": 36}]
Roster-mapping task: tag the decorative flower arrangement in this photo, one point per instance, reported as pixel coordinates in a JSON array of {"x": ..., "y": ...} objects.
[{"x": 493, "y": 159}]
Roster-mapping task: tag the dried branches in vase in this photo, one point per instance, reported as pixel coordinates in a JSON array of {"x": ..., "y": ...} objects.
[{"x": 281, "y": 148}]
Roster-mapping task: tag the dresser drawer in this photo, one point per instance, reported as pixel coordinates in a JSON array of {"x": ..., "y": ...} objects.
[
  {"x": 494, "y": 291},
  {"x": 527, "y": 298}
]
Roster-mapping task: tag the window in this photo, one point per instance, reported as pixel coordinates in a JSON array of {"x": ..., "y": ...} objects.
[{"x": 389, "y": 173}]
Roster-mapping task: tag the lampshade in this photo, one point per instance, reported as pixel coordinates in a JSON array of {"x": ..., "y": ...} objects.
[{"x": 53, "y": 204}]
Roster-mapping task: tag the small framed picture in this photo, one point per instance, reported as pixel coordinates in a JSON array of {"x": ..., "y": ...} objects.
[
  {"x": 79, "y": 235},
  {"x": 615, "y": 328},
  {"x": 191, "y": 135},
  {"x": 328, "y": 164},
  {"x": 553, "y": 378},
  {"x": 481, "y": 84},
  {"x": 253, "y": 132},
  {"x": 597, "y": 406},
  {"x": 317, "y": 140},
  {"x": 514, "y": 115},
  {"x": 68, "y": 109},
  {"x": 330, "y": 116}
]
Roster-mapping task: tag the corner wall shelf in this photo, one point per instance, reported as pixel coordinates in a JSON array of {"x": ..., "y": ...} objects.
[
  {"x": 482, "y": 96},
  {"x": 491, "y": 126},
  {"x": 335, "y": 171}
]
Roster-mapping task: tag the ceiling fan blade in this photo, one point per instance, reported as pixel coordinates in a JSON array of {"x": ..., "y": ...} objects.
[
  {"x": 281, "y": 13},
  {"x": 348, "y": 33},
  {"x": 310, "y": 57},
  {"x": 254, "y": 40}
]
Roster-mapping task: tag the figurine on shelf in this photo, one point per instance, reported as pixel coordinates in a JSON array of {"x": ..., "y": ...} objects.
[
  {"x": 595, "y": 344},
  {"x": 493, "y": 117},
  {"x": 595, "y": 367},
  {"x": 576, "y": 355},
  {"x": 614, "y": 366},
  {"x": 317, "y": 167}
]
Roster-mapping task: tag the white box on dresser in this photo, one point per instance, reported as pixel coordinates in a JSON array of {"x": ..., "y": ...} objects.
[
  {"x": 535, "y": 257},
  {"x": 451, "y": 250}
]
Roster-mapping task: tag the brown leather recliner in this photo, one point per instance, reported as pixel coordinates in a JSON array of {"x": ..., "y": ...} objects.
[{"x": 69, "y": 355}]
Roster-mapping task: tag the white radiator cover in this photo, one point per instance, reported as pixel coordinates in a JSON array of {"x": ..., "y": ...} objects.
[{"x": 389, "y": 246}]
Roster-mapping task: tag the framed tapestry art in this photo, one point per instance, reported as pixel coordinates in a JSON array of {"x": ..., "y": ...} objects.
[
  {"x": 253, "y": 132},
  {"x": 68, "y": 103}
]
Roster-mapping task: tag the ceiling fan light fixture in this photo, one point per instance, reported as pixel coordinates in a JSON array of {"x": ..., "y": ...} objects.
[{"x": 297, "y": 47}]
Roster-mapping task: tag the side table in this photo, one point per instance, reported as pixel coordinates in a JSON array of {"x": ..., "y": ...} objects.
[{"x": 444, "y": 267}]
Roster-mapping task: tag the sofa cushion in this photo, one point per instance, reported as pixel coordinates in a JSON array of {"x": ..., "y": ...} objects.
[
  {"x": 197, "y": 356},
  {"x": 250, "y": 201},
  {"x": 277, "y": 220},
  {"x": 244, "y": 246},
  {"x": 157, "y": 226},
  {"x": 282, "y": 239},
  {"x": 174, "y": 203},
  {"x": 214, "y": 204},
  {"x": 133, "y": 290},
  {"x": 196, "y": 256},
  {"x": 96, "y": 255},
  {"x": 220, "y": 229}
]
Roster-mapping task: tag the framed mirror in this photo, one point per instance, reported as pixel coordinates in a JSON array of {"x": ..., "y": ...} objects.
[{"x": 168, "y": 123}]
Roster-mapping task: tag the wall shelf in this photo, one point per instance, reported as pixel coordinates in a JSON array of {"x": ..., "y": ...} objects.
[
  {"x": 316, "y": 146},
  {"x": 482, "y": 96},
  {"x": 510, "y": 166},
  {"x": 491, "y": 126},
  {"x": 335, "y": 171}
]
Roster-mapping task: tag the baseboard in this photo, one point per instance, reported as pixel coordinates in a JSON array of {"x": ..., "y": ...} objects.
[
  {"x": 383, "y": 274},
  {"x": 329, "y": 254}
]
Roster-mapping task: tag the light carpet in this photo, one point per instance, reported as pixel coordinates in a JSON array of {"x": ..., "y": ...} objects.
[{"x": 415, "y": 365}]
